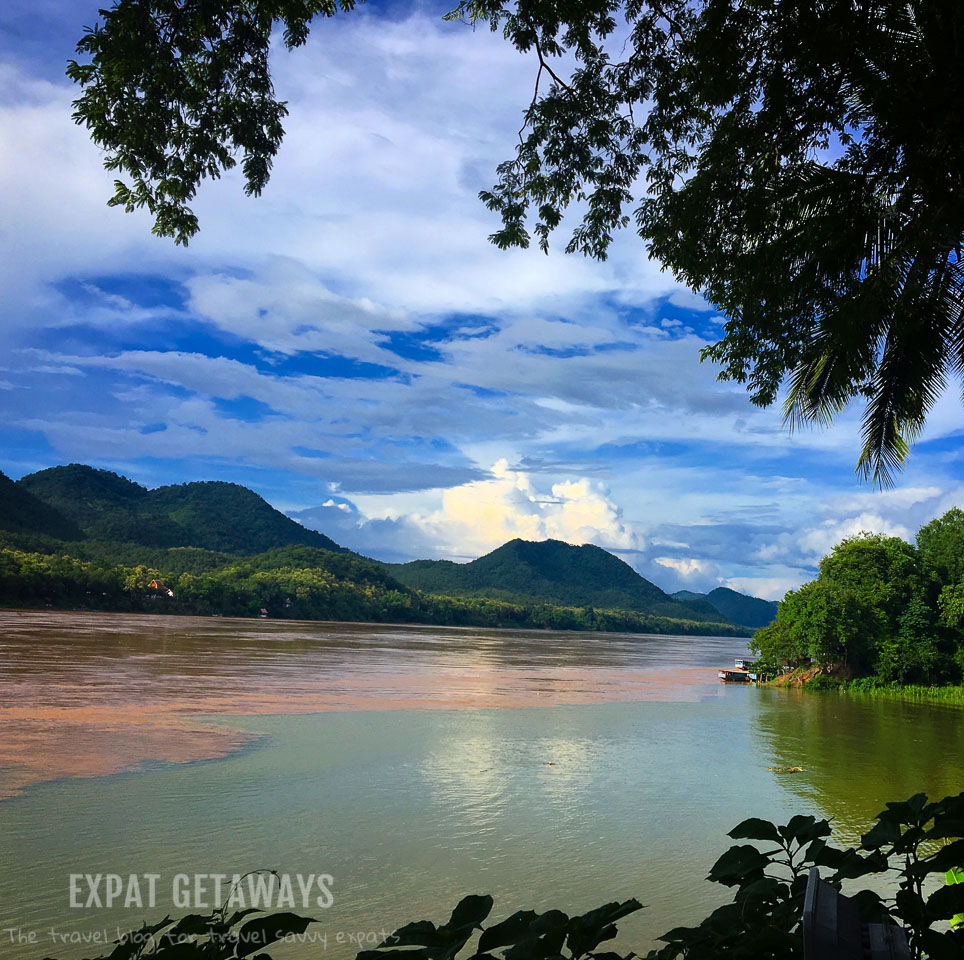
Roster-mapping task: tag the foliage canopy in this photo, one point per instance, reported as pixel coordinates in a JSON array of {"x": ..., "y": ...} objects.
[{"x": 879, "y": 608}]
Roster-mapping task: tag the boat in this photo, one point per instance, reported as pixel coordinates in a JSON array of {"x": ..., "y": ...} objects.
[{"x": 738, "y": 673}]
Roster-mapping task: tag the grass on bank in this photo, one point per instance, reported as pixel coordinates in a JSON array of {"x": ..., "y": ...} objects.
[{"x": 874, "y": 687}]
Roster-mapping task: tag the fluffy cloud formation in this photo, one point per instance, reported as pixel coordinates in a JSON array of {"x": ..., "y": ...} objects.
[
  {"x": 685, "y": 566},
  {"x": 476, "y": 517}
]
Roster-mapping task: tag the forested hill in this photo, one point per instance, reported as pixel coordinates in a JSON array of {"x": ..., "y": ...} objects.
[
  {"x": 549, "y": 571},
  {"x": 224, "y": 517},
  {"x": 22, "y": 512},
  {"x": 77, "y": 537},
  {"x": 738, "y": 607}
]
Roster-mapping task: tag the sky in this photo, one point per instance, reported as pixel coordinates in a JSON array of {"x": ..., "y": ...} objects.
[{"x": 352, "y": 347}]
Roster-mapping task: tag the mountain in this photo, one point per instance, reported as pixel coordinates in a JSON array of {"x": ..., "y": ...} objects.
[
  {"x": 81, "y": 538},
  {"x": 217, "y": 516},
  {"x": 232, "y": 519},
  {"x": 738, "y": 607},
  {"x": 549, "y": 571},
  {"x": 22, "y": 512},
  {"x": 199, "y": 528}
]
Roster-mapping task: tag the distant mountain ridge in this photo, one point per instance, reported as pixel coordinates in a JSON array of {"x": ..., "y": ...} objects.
[
  {"x": 550, "y": 571},
  {"x": 202, "y": 527},
  {"x": 738, "y": 607},
  {"x": 212, "y": 515}
]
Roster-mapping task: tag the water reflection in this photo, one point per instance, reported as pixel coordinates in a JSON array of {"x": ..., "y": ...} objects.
[{"x": 859, "y": 752}]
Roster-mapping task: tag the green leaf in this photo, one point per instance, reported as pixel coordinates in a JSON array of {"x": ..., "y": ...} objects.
[
  {"x": 804, "y": 828},
  {"x": 945, "y": 828},
  {"x": 881, "y": 833},
  {"x": 761, "y": 890},
  {"x": 239, "y": 915},
  {"x": 586, "y": 932},
  {"x": 737, "y": 864},
  {"x": 942, "y": 946},
  {"x": 905, "y": 812},
  {"x": 264, "y": 930},
  {"x": 543, "y": 939},
  {"x": 510, "y": 930},
  {"x": 471, "y": 911},
  {"x": 420, "y": 933},
  {"x": 191, "y": 924},
  {"x": 130, "y": 944},
  {"x": 753, "y": 828},
  {"x": 945, "y": 858},
  {"x": 946, "y": 902},
  {"x": 851, "y": 865}
]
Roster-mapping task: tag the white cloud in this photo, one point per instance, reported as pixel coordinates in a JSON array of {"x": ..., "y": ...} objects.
[
  {"x": 375, "y": 188},
  {"x": 767, "y": 588},
  {"x": 814, "y": 542},
  {"x": 470, "y": 519},
  {"x": 286, "y": 309},
  {"x": 476, "y": 517},
  {"x": 685, "y": 566}
]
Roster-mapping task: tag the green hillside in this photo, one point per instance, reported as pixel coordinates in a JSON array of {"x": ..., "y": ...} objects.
[
  {"x": 75, "y": 537},
  {"x": 216, "y": 516},
  {"x": 233, "y": 519},
  {"x": 737, "y": 607},
  {"x": 22, "y": 512},
  {"x": 548, "y": 571},
  {"x": 296, "y": 583}
]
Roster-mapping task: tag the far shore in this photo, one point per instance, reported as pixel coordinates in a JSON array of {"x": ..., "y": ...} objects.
[{"x": 401, "y": 624}]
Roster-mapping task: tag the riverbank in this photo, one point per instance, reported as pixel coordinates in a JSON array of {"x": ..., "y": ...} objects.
[{"x": 813, "y": 680}]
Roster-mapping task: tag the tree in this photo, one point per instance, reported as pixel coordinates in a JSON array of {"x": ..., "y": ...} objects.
[
  {"x": 800, "y": 164},
  {"x": 881, "y": 607},
  {"x": 940, "y": 545},
  {"x": 822, "y": 621}
]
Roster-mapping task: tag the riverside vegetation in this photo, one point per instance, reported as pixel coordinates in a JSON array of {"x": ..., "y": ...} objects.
[
  {"x": 881, "y": 614},
  {"x": 914, "y": 842}
]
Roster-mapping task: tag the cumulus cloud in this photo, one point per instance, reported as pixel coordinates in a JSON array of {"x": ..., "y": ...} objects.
[
  {"x": 473, "y": 518},
  {"x": 767, "y": 588},
  {"x": 685, "y": 566},
  {"x": 477, "y": 517}
]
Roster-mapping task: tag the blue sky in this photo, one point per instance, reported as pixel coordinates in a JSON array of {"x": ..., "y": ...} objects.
[{"x": 351, "y": 346}]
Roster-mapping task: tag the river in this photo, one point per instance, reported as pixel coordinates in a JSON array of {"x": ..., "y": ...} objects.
[{"x": 411, "y": 765}]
